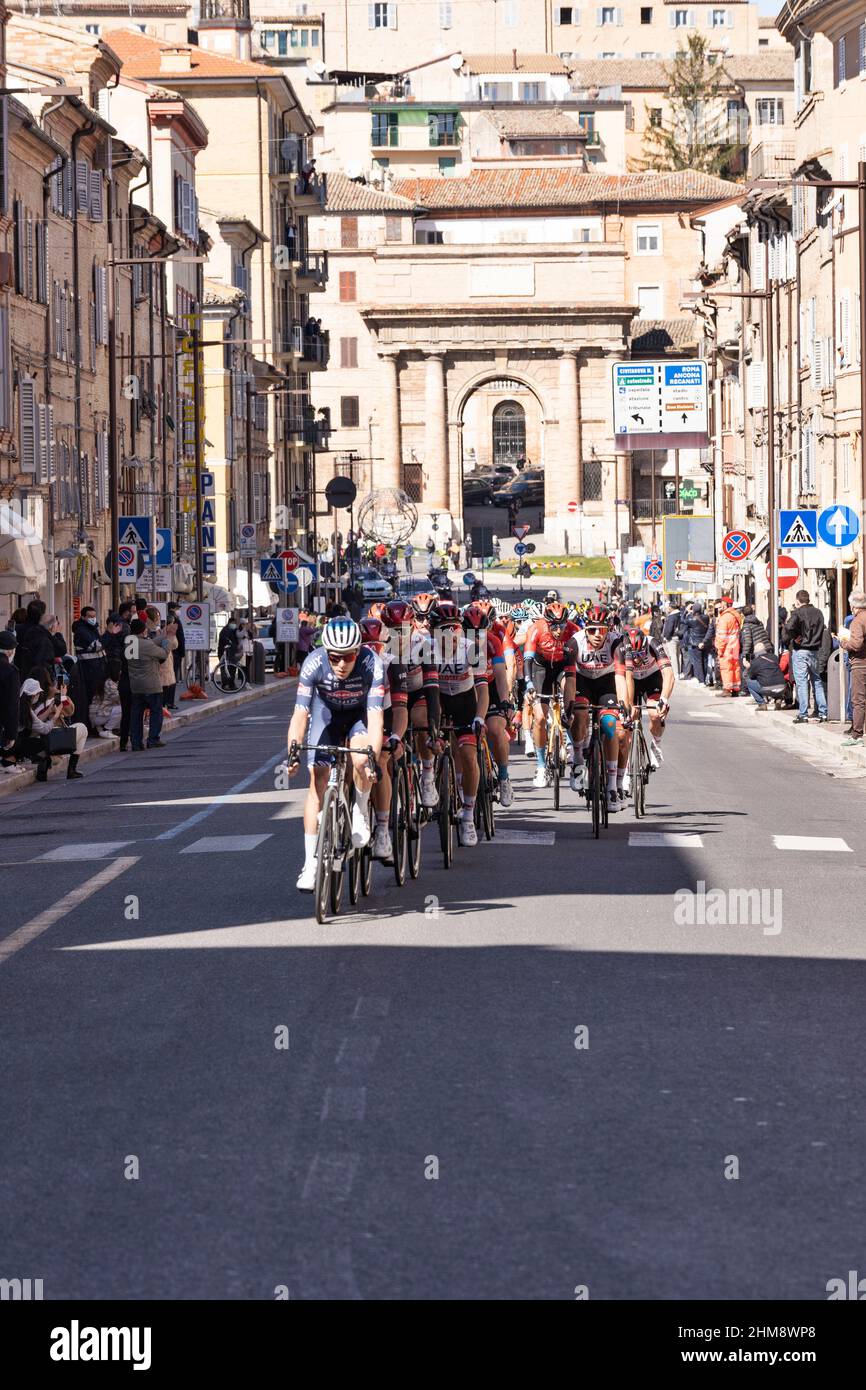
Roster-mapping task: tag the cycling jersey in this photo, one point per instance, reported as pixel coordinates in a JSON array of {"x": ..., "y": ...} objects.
[
  {"x": 458, "y": 663},
  {"x": 542, "y": 644},
  {"x": 641, "y": 664},
  {"x": 363, "y": 688},
  {"x": 593, "y": 663},
  {"x": 396, "y": 688}
]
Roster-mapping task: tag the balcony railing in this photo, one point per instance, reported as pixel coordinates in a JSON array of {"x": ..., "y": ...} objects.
[
  {"x": 642, "y": 507},
  {"x": 393, "y": 138},
  {"x": 317, "y": 434},
  {"x": 312, "y": 273},
  {"x": 311, "y": 189},
  {"x": 593, "y": 137},
  {"x": 316, "y": 349},
  {"x": 771, "y": 159}
]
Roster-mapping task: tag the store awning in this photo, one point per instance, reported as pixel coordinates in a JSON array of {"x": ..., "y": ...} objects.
[
  {"x": 22, "y": 559},
  {"x": 262, "y": 596}
]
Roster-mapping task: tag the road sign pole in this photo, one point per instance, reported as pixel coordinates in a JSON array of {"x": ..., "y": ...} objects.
[
  {"x": 840, "y": 623},
  {"x": 249, "y": 488},
  {"x": 771, "y": 456}
]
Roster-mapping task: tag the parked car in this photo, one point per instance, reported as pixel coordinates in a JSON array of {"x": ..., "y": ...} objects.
[
  {"x": 269, "y": 646},
  {"x": 478, "y": 490},
  {"x": 373, "y": 585},
  {"x": 408, "y": 585},
  {"x": 527, "y": 488}
]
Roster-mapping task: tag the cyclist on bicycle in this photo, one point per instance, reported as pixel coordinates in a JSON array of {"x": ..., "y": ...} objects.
[
  {"x": 422, "y": 681},
  {"x": 459, "y": 678},
  {"x": 494, "y": 704},
  {"x": 548, "y": 657},
  {"x": 396, "y": 718},
  {"x": 594, "y": 649},
  {"x": 341, "y": 690},
  {"x": 647, "y": 676}
]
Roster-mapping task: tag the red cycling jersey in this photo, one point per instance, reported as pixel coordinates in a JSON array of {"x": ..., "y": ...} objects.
[{"x": 549, "y": 647}]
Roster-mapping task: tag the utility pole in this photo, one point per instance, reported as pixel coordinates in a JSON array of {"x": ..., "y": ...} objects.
[
  {"x": 250, "y": 393},
  {"x": 197, "y": 426},
  {"x": 770, "y": 353}
]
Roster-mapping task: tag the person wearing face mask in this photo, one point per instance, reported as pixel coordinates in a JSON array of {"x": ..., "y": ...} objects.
[
  {"x": 90, "y": 654},
  {"x": 230, "y": 642}
]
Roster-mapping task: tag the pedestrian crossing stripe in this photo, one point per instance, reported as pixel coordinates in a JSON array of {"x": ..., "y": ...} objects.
[{"x": 798, "y": 533}]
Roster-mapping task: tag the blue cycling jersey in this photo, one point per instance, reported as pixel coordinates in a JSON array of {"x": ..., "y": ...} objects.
[{"x": 364, "y": 687}]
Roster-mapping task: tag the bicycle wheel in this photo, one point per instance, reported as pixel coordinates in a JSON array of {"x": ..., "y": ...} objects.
[
  {"x": 635, "y": 768},
  {"x": 596, "y": 783},
  {"x": 354, "y": 874},
  {"x": 446, "y": 789},
  {"x": 324, "y": 857},
  {"x": 414, "y": 823},
  {"x": 400, "y": 824},
  {"x": 488, "y": 813},
  {"x": 342, "y": 856},
  {"x": 554, "y": 760},
  {"x": 644, "y": 773},
  {"x": 602, "y": 781},
  {"x": 366, "y": 856}
]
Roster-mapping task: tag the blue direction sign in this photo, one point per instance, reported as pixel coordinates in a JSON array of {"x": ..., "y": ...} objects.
[
  {"x": 798, "y": 529},
  {"x": 653, "y": 571},
  {"x": 838, "y": 525},
  {"x": 163, "y": 548},
  {"x": 134, "y": 531},
  {"x": 273, "y": 570},
  {"x": 520, "y": 548},
  {"x": 291, "y": 582}
]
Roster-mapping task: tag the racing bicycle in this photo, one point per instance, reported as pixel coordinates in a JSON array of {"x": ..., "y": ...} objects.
[
  {"x": 488, "y": 787},
  {"x": 336, "y": 856},
  {"x": 557, "y": 744}
]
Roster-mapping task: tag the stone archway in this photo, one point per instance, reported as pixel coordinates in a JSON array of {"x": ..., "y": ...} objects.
[{"x": 497, "y": 384}]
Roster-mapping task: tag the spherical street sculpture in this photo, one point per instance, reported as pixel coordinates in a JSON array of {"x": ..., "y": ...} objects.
[{"x": 387, "y": 515}]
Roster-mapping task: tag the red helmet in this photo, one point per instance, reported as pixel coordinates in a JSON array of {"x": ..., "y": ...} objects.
[
  {"x": 447, "y": 614},
  {"x": 475, "y": 618},
  {"x": 371, "y": 629},
  {"x": 597, "y": 616},
  {"x": 396, "y": 613},
  {"x": 377, "y": 610},
  {"x": 556, "y": 613},
  {"x": 637, "y": 639},
  {"x": 424, "y": 605}
]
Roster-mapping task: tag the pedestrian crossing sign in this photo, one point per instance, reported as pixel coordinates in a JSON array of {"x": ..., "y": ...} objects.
[
  {"x": 798, "y": 529},
  {"x": 273, "y": 570}
]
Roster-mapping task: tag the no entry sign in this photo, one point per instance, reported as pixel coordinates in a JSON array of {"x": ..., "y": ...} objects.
[{"x": 788, "y": 572}]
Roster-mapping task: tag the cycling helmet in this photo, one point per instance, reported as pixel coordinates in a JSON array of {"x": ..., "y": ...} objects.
[
  {"x": 474, "y": 618},
  {"x": 597, "y": 616},
  {"x": 485, "y": 603},
  {"x": 396, "y": 613},
  {"x": 552, "y": 596},
  {"x": 637, "y": 639},
  {"x": 556, "y": 613},
  {"x": 372, "y": 629},
  {"x": 424, "y": 605},
  {"x": 447, "y": 614},
  {"x": 376, "y": 610},
  {"x": 341, "y": 635}
]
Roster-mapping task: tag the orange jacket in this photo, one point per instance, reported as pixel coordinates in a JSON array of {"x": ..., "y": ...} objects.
[{"x": 728, "y": 633}]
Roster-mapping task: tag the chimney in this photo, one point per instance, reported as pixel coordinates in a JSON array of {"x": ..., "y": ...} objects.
[
  {"x": 175, "y": 60},
  {"x": 514, "y": 59}
]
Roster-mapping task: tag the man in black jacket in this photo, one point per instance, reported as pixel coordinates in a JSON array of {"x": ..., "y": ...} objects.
[
  {"x": 10, "y": 685},
  {"x": 765, "y": 679},
  {"x": 804, "y": 631},
  {"x": 671, "y": 637},
  {"x": 754, "y": 638},
  {"x": 694, "y": 637},
  {"x": 35, "y": 646}
]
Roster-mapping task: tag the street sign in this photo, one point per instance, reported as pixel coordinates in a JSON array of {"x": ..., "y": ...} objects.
[
  {"x": 688, "y": 491},
  {"x": 520, "y": 548},
  {"x": 798, "y": 529},
  {"x": 273, "y": 570},
  {"x": 659, "y": 398},
  {"x": 291, "y": 583},
  {"x": 341, "y": 493},
  {"x": 838, "y": 525},
  {"x": 573, "y": 507},
  {"x": 287, "y": 624},
  {"x": 520, "y": 531},
  {"x": 469, "y": 579},
  {"x": 248, "y": 547},
  {"x": 195, "y": 618},
  {"x": 304, "y": 576},
  {"x": 127, "y": 562},
  {"x": 698, "y": 571},
  {"x": 530, "y": 547},
  {"x": 788, "y": 572},
  {"x": 163, "y": 547},
  {"x": 292, "y": 559},
  {"x": 135, "y": 531},
  {"x": 109, "y": 566},
  {"x": 163, "y": 579},
  {"x": 736, "y": 545},
  {"x": 730, "y": 569},
  {"x": 653, "y": 571}
]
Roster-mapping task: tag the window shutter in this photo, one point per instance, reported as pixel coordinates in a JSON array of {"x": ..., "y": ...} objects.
[
  {"x": 28, "y": 425},
  {"x": 96, "y": 196},
  {"x": 829, "y": 364},
  {"x": 102, "y": 317},
  {"x": 46, "y": 443},
  {"x": 619, "y": 16},
  {"x": 30, "y": 252},
  {"x": 798, "y": 79},
  {"x": 371, "y": 16},
  {"x": 861, "y": 48},
  {"x": 392, "y": 16},
  {"x": 186, "y": 209},
  {"x": 756, "y": 385},
  {"x": 841, "y": 60},
  {"x": 817, "y": 363},
  {"x": 82, "y": 184},
  {"x": 4, "y": 155},
  {"x": 599, "y": 18},
  {"x": 42, "y": 262},
  {"x": 68, "y": 188},
  {"x": 757, "y": 262},
  {"x": 729, "y": 19},
  {"x": 5, "y": 376},
  {"x": 20, "y": 271}
]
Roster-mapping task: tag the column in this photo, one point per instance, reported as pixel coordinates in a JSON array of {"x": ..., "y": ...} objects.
[
  {"x": 436, "y": 496},
  {"x": 387, "y": 473},
  {"x": 562, "y": 481}
]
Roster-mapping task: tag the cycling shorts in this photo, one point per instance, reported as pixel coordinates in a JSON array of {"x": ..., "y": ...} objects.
[
  {"x": 461, "y": 710},
  {"x": 326, "y": 727},
  {"x": 648, "y": 689},
  {"x": 595, "y": 691},
  {"x": 552, "y": 675}
]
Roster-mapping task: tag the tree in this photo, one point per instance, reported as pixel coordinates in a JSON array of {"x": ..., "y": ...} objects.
[{"x": 696, "y": 133}]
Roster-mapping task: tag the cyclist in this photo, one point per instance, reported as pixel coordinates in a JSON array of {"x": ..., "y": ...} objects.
[
  {"x": 594, "y": 652},
  {"x": 422, "y": 681},
  {"x": 458, "y": 682},
  {"x": 396, "y": 718},
  {"x": 548, "y": 656},
  {"x": 494, "y": 706},
  {"x": 644, "y": 673},
  {"x": 341, "y": 691}
]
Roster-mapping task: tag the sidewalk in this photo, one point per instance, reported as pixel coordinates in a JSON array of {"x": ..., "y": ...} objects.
[{"x": 189, "y": 712}]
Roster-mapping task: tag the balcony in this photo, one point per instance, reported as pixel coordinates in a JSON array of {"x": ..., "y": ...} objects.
[
  {"x": 316, "y": 352},
  {"x": 317, "y": 434},
  {"x": 642, "y": 508},
  {"x": 311, "y": 271},
  {"x": 593, "y": 137},
  {"x": 310, "y": 193},
  {"x": 772, "y": 159}
]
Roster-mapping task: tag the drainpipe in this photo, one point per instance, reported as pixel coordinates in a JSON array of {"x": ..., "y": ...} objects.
[{"x": 77, "y": 137}]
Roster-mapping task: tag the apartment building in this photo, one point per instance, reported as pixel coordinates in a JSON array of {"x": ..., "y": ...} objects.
[
  {"x": 163, "y": 19},
  {"x": 454, "y": 297}
]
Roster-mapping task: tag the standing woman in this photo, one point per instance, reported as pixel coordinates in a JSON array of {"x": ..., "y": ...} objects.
[{"x": 167, "y": 673}]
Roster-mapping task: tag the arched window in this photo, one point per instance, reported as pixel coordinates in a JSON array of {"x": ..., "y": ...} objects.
[{"x": 509, "y": 432}]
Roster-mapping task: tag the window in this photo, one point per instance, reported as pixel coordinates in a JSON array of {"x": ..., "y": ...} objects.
[
  {"x": 92, "y": 28},
  {"x": 770, "y": 111},
  {"x": 592, "y": 480},
  {"x": 763, "y": 43},
  {"x": 680, "y": 19},
  {"x": 348, "y": 287},
  {"x": 267, "y": 38},
  {"x": 649, "y": 298},
  {"x": 496, "y": 91},
  {"x": 393, "y": 228},
  {"x": 446, "y": 163},
  {"x": 445, "y": 15},
  {"x": 719, "y": 19},
  {"x": 350, "y": 412},
  {"x": 606, "y": 15},
  {"x": 648, "y": 239},
  {"x": 425, "y": 237},
  {"x": 530, "y": 91},
  {"x": 5, "y": 370},
  {"x": 442, "y": 128},
  {"x": 510, "y": 14},
  {"x": 802, "y": 73},
  {"x": 655, "y": 115},
  {"x": 841, "y": 67},
  {"x": 314, "y": 38},
  {"x": 348, "y": 232},
  {"x": 4, "y": 158},
  {"x": 566, "y": 14},
  {"x": 348, "y": 352},
  {"x": 384, "y": 128},
  {"x": 382, "y": 16},
  {"x": 646, "y": 14}
]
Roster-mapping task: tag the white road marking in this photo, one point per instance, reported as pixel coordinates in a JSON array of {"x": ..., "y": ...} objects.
[
  {"x": 664, "y": 839},
  {"x": 258, "y": 718},
  {"x": 37, "y": 925},
  {"x": 291, "y": 811},
  {"x": 523, "y": 837},
  {"x": 330, "y": 1177},
  {"x": 812, "y": 842},
  {"x": 103, "y": 850},
  {"x": 222, "y": 800},
  {"x": 217, "y": 799},
  {"x": 703, "y": 714},
  {"x": 221, "y": 844},
  {"x": 345, "y": 1103}
]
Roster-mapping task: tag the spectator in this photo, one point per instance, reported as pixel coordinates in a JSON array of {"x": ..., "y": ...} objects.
[
  {"x": 467, "y": 546},
  {"x": 671, "y": 637},
  {"x": 43, "y": 707},
  {"x": 306, "y": 632},
  {"x": 696, "y": 639},
  {"x": 105, "y": 711},
  {"x": 728, "y": 648},
  {"x": 408, "y": 552},
  {"x": 16, "y": 619},
  {"x": 804, "y": 632},
  {"x": 114, "y": 644},
  {"x": 177, "y": 656},
  {"x": 853, "y": 640},
  {"x": 765, "y": 679},
  {"x": 166, "y": 671},
  {"x": 89, "y": 653},
  {"x": 754, "y": 637},
  {"x": 10, "y": 690},
  {"x": 126, "y": 612},
  {"x": 454, "y": 553},
  {"x": 430, "y": 547},
  {"x": 35, "y": 644},
  {"x": 710, "y": 649},
  {"x": 144, "y": 658}
]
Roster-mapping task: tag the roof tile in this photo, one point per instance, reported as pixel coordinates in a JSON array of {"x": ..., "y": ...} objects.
[
  {"x": 142, "y": 57},
  {"x": 546, "y": 187},
  {"x": 348, "y": 195},
  {"x": 504, "y": 62}
]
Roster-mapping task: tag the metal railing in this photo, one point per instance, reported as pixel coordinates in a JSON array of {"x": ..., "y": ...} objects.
[
  {"x": 317, "y": 348},
  {"x": 312, "y": 186},
  {"x": 642, "y": 507},
  {"x": 314, "y": 266}
]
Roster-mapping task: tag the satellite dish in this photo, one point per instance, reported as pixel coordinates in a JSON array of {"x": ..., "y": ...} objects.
[
  {"x": 456, "y": 61},
  {"x": 319, "y": 68},
  {"x": 354, "y": 170}
]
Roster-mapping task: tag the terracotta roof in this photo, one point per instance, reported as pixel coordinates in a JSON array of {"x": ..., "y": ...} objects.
[
  {"x": 348, "y": 195},
  {"x": 777, "y": 66},
  {"x": 215, "y": 293},
  {"x": 545, "y": 121},
  {"x": 656, "y": 335},
  {"x": 69, "y": 9},
  {"x": 141, "y": 57},
  {"x": 545, "y": 188},
  {"x": 504, "y": 62},
  {"x": 650, "y": 74}
]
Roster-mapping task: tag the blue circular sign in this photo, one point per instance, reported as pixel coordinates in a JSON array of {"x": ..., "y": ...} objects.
[
  {"x": 838, "y": 525},
  {"x": 193, "y": 612},
  {"x": 736, "y": 545},
  {"x": 520, "y": 548},
  {"x": 468, "y": 578},
  {"x": 291, "y": 582}
]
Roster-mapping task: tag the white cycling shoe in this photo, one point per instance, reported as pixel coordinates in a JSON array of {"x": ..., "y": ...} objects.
[
  {"x": 506, "y": 792},
  {"x": 577, "y": 780},
  {"x": 307, "y": 877},
  {"x": 382, "y": 845},
  {"x": 360, "y": 828},
  {"x": 626, "y": 783},
  {"x": 655, "y": 754},
  {"x": 529, "y": 747},
  {"x": 540, "y": 778},
  {"x": 613, "y": 798},
  {"x": 429, "y": 794},
  {"x": 466, "y": 832}
]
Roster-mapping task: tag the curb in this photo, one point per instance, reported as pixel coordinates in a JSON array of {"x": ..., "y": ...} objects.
[{"x": 16, "y": 781}]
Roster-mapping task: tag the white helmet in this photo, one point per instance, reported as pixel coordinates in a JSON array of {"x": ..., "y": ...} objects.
[{"x": 341, "y": 635}]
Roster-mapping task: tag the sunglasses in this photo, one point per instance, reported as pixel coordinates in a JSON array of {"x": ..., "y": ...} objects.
[
  {"x": 336, "y": 657},
  {"x": 598, "y": 631}
]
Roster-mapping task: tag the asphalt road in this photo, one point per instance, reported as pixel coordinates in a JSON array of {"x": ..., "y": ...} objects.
[{"x": 436, "y": 1028}]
